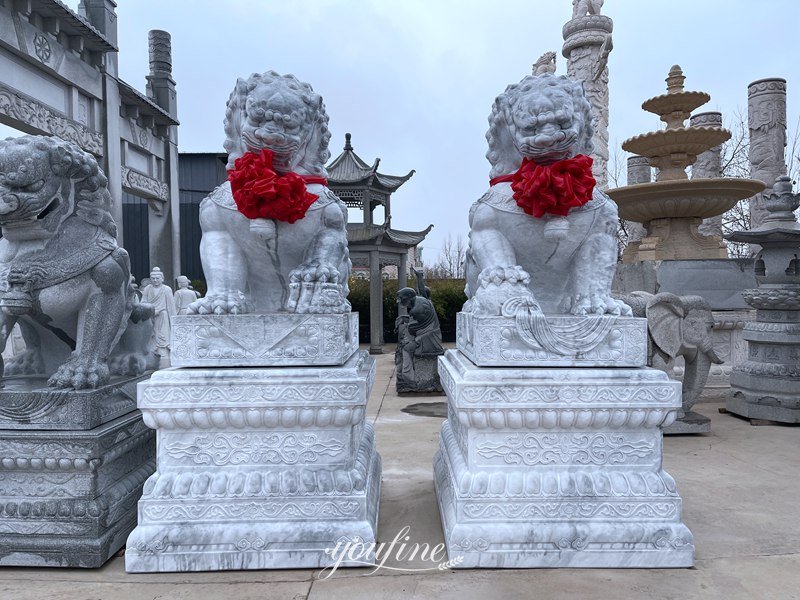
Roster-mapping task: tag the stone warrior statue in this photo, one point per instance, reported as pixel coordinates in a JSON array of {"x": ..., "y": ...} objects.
[
  {"x": 419, "y": 341},
  {"x": 160, "y": 296}
]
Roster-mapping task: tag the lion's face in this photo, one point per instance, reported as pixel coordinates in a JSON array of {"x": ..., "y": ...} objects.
[
  {"x": 546, "y": 128},
  {"x": 279, "y": 112},
  {"x": 32, "y": 201},
  {"x": 278, "y": 119},
  {"x": 544, "y": 117}
]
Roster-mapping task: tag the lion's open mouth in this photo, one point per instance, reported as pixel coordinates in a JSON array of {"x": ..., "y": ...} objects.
[
  {"x": 50, "y": 208},
  {"x": 535, "y": 149},
  {"x": 18, "y": 220}
]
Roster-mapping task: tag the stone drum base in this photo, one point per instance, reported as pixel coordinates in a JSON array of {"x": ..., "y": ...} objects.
[
  {"x": 258, "y": 468},
  {"x": 68, "y": 498},
  {"x": 558, "y": 468}
]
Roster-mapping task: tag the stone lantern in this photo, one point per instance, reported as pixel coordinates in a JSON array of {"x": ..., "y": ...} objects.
[{"x": 767, "y": 384}]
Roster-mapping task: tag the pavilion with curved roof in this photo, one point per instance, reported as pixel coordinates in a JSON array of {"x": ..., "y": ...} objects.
[{"x": 373, "y": 245}]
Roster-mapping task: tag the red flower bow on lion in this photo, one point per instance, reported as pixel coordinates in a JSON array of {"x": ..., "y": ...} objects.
[
  {"x": 551, "y": 189},
  {"x": 260, "y": 192}
]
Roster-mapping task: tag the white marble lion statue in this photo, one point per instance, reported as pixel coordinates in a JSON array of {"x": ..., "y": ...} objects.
[
  {"x": 263, "y": 265},
  {"x": 555, "y": 264}
]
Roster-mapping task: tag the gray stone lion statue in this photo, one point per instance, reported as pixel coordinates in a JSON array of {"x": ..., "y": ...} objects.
[
  {"x": 62, "y": 276},
  {"x": 265, "y": 265},
  {"x": 547, "y": 264}
]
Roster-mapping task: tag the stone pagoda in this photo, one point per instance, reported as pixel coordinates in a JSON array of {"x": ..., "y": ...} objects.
[
  {"x": 374, "y": 245},
  {"x": 767, "y": 385}
]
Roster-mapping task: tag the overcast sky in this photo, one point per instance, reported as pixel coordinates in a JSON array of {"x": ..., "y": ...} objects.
[{"x": 414, "y": 80}]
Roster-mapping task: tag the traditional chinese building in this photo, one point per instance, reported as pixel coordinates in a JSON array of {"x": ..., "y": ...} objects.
[
  {"x": 59, "y": 76},
  {"x": 373, "y": 246}
]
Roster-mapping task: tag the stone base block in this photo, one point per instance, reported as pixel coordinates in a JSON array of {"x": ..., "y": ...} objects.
[
  {"x": 278, "y": 339},
  {"x": 496, "y": 341},
  {"x": 253, "y": 528},
  {"x": 754, "y": 407},
  {"x": 558, "y": 468},
  {"x": 257, "y": 468},
  {"x": 67, "y": 498},
  {"x": 767, "y": 390},
  {"x": 426, "y": 377},
  {"x": 691, "y": 422},
  {"x": 28, "y": 403}
]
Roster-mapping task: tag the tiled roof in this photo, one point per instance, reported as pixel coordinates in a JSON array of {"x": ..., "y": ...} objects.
[
  {"x": 73, "y": 24},
  {"x": 357, "y": 232},
  {"x": 348, "y": 167}
]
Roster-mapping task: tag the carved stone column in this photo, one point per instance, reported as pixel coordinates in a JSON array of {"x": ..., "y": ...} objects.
[
  {"x": 708, "y": 166},
  {"x": 402, "y": 272},
  {"x": 165, "y": 228},
  {"x": 587, "y": 44},
  {"x": 766, "y": 120},
  {"x": 639, "y": 171},
  {"x": 375, "y": 303}
]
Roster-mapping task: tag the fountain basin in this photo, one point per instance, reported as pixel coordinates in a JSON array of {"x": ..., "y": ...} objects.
[
  {"x": 675, "y": 102},
  {"x": 689, "y": 198},
  {"x": 691, "y": 141}
]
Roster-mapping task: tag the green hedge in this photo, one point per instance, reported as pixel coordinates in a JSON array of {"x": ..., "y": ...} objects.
[{"x": 447, "y": 296}]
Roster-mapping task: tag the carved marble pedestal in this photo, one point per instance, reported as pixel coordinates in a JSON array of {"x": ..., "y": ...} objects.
[
  {"x": 258, "y": 467},
  {"x": 72, "y": 467},
  {"x": 558, "y": 467}
]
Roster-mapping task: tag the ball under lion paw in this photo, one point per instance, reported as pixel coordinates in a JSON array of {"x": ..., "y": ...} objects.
[
  {"x": 498, "y": 284},
  {"x": 315, "y": 288}
]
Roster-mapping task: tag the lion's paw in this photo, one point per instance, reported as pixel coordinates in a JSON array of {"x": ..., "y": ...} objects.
[
  {"x": 596, "y": 304},
  {"x": 500, "y": 275},
  {"x": 25, "y": 363},
  {"x": 219, "y": 304},
  {"x": 80, "y": 374},
  {"x": 315, "y": 288}
]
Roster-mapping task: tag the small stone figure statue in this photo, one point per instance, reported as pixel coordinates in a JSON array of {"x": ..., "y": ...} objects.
[
  {"x": 184, "y": 295},
  {"x": 419, "y": 343},
  {"x": 160, "y": 296},
  {"x": 545, "y": 64},
  {"x": 581, "y": 8}
]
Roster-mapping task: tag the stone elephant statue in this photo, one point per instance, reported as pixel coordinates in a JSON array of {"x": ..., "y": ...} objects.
[{"x": 678, "y": 326}]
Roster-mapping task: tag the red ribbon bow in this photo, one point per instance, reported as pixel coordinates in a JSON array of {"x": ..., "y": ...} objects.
[
  {"x": 554, "y": 189},
  {"x": 261, "y": 193}
]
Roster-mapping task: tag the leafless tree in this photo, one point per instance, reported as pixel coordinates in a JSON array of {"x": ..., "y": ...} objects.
[
  {"x": 618, "y": 177},
  {"x": 450, "y": 262}
]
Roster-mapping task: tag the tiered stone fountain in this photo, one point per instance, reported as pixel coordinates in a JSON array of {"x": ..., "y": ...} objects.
[{"x": 672, "y": 207}]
